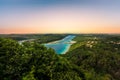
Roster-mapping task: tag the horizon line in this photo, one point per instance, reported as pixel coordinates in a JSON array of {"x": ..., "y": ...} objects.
[{"x": 51, "y": 33}]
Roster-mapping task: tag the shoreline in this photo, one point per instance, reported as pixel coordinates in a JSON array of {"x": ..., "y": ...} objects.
[
  {"x": 72, "y": 42},
  {"x": 53, "y": 42},
  {"x": 67, "y": 47},
  {"x": 66, "y": 50},
  {"x": 66, "y": 43}
]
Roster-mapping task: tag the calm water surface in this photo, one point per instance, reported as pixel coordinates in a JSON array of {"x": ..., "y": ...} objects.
[{"x": 61, "y": 46}]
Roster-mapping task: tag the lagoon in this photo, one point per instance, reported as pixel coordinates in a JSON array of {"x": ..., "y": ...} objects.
[{"x": 61, "y": 46}]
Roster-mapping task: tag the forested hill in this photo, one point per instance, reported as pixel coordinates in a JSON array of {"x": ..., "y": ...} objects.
[
  {"x": 97, "y": 55},
  {"x": 92, "y": 57},
  {"x": 32, "y": 61},
  {"x": 41, "y": 38}
]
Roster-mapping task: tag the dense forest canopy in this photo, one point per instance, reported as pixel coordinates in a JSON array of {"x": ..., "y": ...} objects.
[
  {"x": 98, "y": 55},
  {"x": 32, "y": 61},
  {"x": 92, "y": 57}
]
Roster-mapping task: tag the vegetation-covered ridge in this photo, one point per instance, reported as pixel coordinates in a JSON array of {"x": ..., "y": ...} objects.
[
  {"x": 32, "y": 61},
  {"x": 97, "y": 55},
  {"x": 41, "y": 38},
  {"x": 92, "y": 57}
]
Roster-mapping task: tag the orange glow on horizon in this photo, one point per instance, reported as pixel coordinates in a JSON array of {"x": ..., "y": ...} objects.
[
  {"x": 60, "y": 20},
  {"x": 61, "y": 30}
]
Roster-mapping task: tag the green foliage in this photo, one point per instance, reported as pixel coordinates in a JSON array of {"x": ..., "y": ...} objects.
[
  {"x": 50, "y": 37},
  {"x": 32, "y": 61},
  {"x": 30, "y": 75},
  {"x": 93, "y": 57},
  {"x": 101, "y": 61},
  {"x": 41, "y": 38}
]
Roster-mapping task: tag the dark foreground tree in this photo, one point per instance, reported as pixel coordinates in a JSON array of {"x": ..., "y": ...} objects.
[{"x": 32, "y": 61}]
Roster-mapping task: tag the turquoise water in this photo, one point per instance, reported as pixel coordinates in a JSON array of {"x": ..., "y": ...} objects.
[{"x": 61, "y": 46}]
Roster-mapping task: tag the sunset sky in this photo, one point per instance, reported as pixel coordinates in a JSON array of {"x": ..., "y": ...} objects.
[{"x": 59, "y": 16}]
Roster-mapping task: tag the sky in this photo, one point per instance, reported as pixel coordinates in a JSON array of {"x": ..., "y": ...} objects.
[{"x": 59, "y": 16}]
